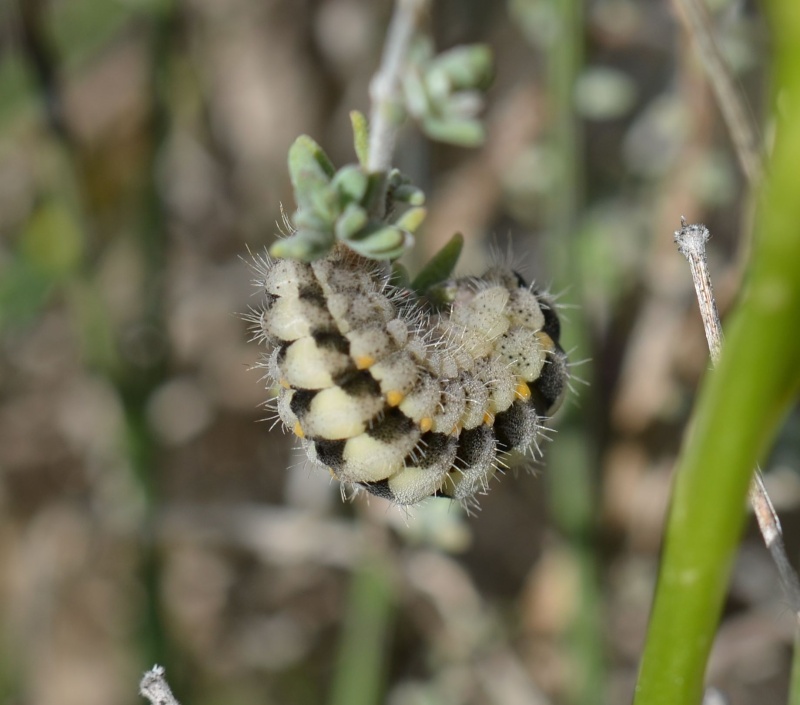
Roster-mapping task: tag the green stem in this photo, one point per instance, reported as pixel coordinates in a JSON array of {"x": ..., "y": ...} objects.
[
  {"x": 134, "y": 383},
  {"x": 360, "y": 671},
  {"x": 794, "y": 683},
  {"x": 740, "y": 407},
  {"x": 571, "y": 461}
]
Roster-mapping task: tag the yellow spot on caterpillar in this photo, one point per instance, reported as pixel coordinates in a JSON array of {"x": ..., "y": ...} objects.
[
  {"x": 364, "y": 361},
  {"x": 546, "y": 341},
  {"x": 522, "y": 391},
  {"x": 298, "y": 431},
  {"x": 488, "y": 418},
  {"x": 284, "y": 383},
  {"x": 425, "y": 424},
  {"x": 395, "y": 397}
]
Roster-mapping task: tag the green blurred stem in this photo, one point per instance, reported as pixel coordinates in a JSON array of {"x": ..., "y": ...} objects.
[
  {"x": 794, "y": 683},
  {"x": 360, "y": 673},
  {"x": 564, "y": 59},
  {"x": 741, "y": 404},
  {"x": 134, "y": 382},
  {"x": 572, "y": 459},
  {"x": 573, "y": 499}
]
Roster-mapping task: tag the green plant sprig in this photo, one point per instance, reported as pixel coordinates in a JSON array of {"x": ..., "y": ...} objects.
[{"x": 371, "y": 207}]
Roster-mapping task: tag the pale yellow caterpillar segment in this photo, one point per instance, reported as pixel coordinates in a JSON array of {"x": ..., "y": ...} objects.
[
  {"x": 308, "y": 365},
  {"x": 285, "y": 278},
  {"x": 450, "y": 409},
  {"x": 352, "y": 311},
  {"x": 523, "y": 309},
  {"x": 291, "y": 318},
  {"x": 423, "y": 473},
  {"x": 397, "y": 375},
  {"x": 522, "y": 351},
  {"x": 442, "y": 364},
  {"x": 370, "y": 344},
  {"x": 483, "y": 313},
  {"x": 477, "y": 402},
  {"x": 421, "y": 403},
  {"x": 398, "y": 329},
  {"x": 408, "y": 485},
  {"x": 334, "y": 414},
  {"x": 500, "y": 382},
  {"x": 472, "y": 345},
  {"x": 370, "y": 459}
]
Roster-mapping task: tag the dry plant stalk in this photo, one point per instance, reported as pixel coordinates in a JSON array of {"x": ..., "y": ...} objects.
[
  {"x": 691, "y": 241},
  {"x": 155, "y": 687},
  {"x": 743, "y": 131}
]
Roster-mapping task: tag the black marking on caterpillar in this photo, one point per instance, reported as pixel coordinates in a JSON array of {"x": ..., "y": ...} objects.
[{"x": 399, "y": 399}]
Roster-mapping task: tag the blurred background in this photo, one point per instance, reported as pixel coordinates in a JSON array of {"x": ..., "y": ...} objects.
[{"x": 146, "y": 515}]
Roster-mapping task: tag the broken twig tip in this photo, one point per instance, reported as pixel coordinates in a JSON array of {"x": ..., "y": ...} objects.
[
  {"x": 691, "y": 239},
  {"x": 154, "y": 687}
]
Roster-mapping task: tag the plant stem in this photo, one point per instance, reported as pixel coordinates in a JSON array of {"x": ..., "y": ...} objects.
[
  {"x": 691, "y": 241},
  {"x": 360, "y": 670},
  {"x": 571, "y": 461},
  {"x": 740, "y": 406},
  {"x": 743, "y": 131},
  {"x": 794, "y": 683},
  {"x": 384, "y": 89}
]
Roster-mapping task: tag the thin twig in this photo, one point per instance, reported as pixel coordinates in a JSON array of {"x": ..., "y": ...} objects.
[
  {"x": 691, "y": 241},
  {"x": 384, "y": 90},
  {"x": 155, "y": 687},
  {"x": 743, "y": 131}
]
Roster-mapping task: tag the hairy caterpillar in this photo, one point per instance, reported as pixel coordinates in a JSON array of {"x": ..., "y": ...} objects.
[{"x": 401, "y": 402}]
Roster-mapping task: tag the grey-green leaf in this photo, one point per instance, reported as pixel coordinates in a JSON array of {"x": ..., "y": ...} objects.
[
  {"x": 350, "y": 222},
  {"x": 463, "y": 67},
  {"x": 411, "y": 219},
  {"x": 304, "y": 245},
  {"x": 384, "y": 242},
  {"x": 408, "y": 193},
  {"x": 461, "y": 132},
  {"x": 309, "y": 168},
  {"x": 360, "y": 136},
  {"x": 351, "y": 183}
]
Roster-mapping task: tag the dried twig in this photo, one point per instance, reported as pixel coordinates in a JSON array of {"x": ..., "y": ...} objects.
[
  {"x": 385, "y": 87},
  {"x": 691, "y": 241},
  {"x": 744, "y": 133},
  {"x": 155, "y": 687}
]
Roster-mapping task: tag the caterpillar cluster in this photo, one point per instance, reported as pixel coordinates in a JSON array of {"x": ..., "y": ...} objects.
[{"x": 405, "y": 403}]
